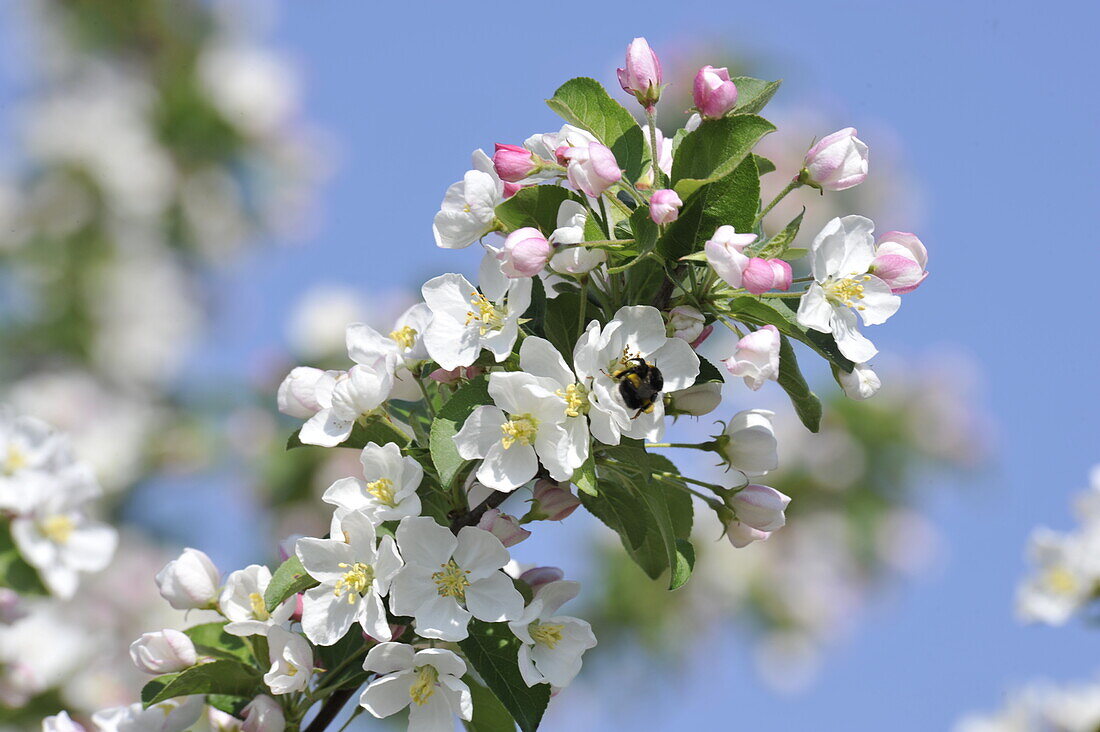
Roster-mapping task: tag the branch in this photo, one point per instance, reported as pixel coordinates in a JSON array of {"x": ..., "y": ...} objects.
[
  {"x": 471, "y": 517},
  {"x": 330, "y": 709}
]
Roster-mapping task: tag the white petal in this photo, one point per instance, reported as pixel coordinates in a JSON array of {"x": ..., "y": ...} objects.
[
  {"x": 814, "y": 310},
  {"x": 479, "y": 552},
  {"x": 444, "y": 661},
  {"x": 878, "y": 302},
  {"x": 480, "y": 433},
  {"x": 505, "y": 470},
  {"x": 325, "y": 429},
  {"x": 678, "y": 364},
  {"x": 849, "y": 340},
  {"x": 387, "y": 695},
  {"x": 326, "y": 617},
  {"x": 642, "y": 329},
  {"x": 424, "y": 542},
  {"x": 494, "y": 599},
  {"x": 387, "y": 658},
  {"x": 443, "y": 618}
]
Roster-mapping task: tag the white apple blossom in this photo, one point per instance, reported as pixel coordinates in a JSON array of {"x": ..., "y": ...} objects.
[
  {"x": 697, "y": 399},
  {"x": 263, "y": 714},
  {"x": 171, "y": 715},
  {"x": 748, "y": 443},
  {"x": 401, "y": 350},
  {"x": 355, "y": 573},
  {"x": 354, "y": 394},
  {"x": 841, "y": 256},
  {"x": 163, "y": 652},
  {"x": 59, "y": 540},
  {"x": 636, "y": 332},
  {"x": 427, "y": 681},
  {"x": 552, "y": 645},
  {"x": 760, "y": 507},
  {"x": 572, "y": 259},
  {"x": 1066, "y": 576},
  {"x": 242, "y": 603},
  {"x": 861, "y": 383},
  {"x": 536, "y": 418},
  {"x": 291, "y": 660},
  {"x": 61, "y": 722},
  {"x": 546, "y": 146},
  {"x": 189, "y": 581},
  {"x": 305, "y": 391},
  {"x": 387, "y": 490},
  {"x": 447, "y": 580},
  {"x": 33, "y": 458},
  {"x": 465, "y": 320},
  {"x": 756, "y": 358},
  {"x": 468, "y": 211}
]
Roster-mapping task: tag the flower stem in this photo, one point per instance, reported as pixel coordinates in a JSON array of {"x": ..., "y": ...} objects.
[
  {"x": 584, "y": 304},
  {"x": 651, "y": 118},
  {"x": 693, "y": 445},
  {"x": 782, "y": 194}
]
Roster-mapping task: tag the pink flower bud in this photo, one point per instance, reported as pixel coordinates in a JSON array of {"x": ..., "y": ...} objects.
[
  {"x": 525, "y": 252},
  {"x": 761, "y": 275},
  {"x": 163, "y": 652},
  {"x": 686, "y": 323},
  {"x": 760, "y": 507},
  {"x": 741, "y": 535},
  {"x": 12, "y": 606},
  {"x": 664, "y": 206},
  {"x": 510, "y": 189},
  {"x": 514, "y": 163},
  {"x": 642, "y": 74},
  {"x": 555, "y": 501},
  {"x": 455, "y": 375},
  {"x": 757, "y": 357},
  {"x": 592, "y": 169},
  {"x": 536, "y": 577},
  {"x": 299, "y": 608},
  {"x": 714, "y": 93},
  {"x": 838, "y": 161},
  {"x": 900, "y": 261},
  {"x": 503, "y": 527}
]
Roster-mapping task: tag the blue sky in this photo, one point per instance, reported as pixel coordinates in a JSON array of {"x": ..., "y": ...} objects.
[{"x": 994, "y": 104}]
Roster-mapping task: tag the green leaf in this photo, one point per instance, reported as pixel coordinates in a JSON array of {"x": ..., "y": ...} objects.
[
  {"x": 493, "y": 651},
  {"x": 450, "y": 420},
  {"x": 806, "y": 404},
  {"x": 228, "y": 704},
  {"x": 585, "y": 103},
  {"x": 376, "y": 429},
  {"x": 489, "y": 714},
  {"x": 289, "y": 579},
  {"x": 535, "y": 206},
  {"x": 217, "y": 677},
  {"x": 212, "y": 640},
  {"x": 732, "y": 200},
  {"x": 536, "y": 312},
  {"x": 563, "y": 321},
  {"x": 774, "y": 311},
  {"x": 763, "y": 165},
  {"x": 753, "y": 94},
  {"x": 15, "y": 573},
  {"x": 777, "y": 246},
  {"x": 585, "y": 476},
  {"x": 683, "y": 565},
  {"x": 709, "y": 372},
  {"x": 714, "y": 150}
]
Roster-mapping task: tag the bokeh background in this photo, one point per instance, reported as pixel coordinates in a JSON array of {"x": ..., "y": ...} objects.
[{"x": 191, "y": 202}]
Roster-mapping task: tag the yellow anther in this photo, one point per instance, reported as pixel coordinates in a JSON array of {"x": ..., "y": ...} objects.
[
  {"x": 382, "y": 490},
  {"x": 424, "y": 686},
  {"x": 847, "y": 291},
  {"x": 1061, "y": 581},
  {"x": 451, "y": 580},
  {"x": 357, "y": 578},
  {"x": 404, "y": 336},
  {"x": 259, "y": 609},
  {"x": 545, "y": 633},
  {"x": 57, "y": 528},
  {"x": 576, "y": 400},
  {"x": 15, "y": 461},
  {"x": 291, "y": 670},
  {"x": 485, "y": 313},
  {"x": 520, "y": 429}
]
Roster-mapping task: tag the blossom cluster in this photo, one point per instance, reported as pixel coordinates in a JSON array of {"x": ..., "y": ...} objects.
[
  {"x": 610, "y": 253},
  {"x": 1065, "y": 576}
]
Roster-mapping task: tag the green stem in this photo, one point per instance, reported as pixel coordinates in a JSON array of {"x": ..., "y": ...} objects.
[
  {"x": 800, "y": 293},
  {"x": 427, "y": 397},
  {"x": 731, "y": 326},
  {"x": 782, "y": 194},
  {"x": 584, "y": 304},
  {"x": 670, "y": 479},
  {"x": 693, "y": 445},
  {"x": 651, "y": 117}
]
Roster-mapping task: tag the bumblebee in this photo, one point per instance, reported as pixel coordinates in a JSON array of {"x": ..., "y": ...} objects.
[{"x": 640, "y": 384}]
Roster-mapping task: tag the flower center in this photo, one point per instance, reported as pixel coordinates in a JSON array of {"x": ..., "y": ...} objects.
[
  {"x": 484, "y": 312},
  {"x": 382, "y": 490},
  {"x": 545, "y": 633},
  {"x": 259, "y": 609},
  {"x": 424, "y": 686},
  {"x": 451, "y": 580},
  {"x": 404, "y": 337},
  {"x": 1061, "y": 581},
  {"x": 847, "y": 291},
  {"x": 57, "y": 528},
  {"x": 520, "y": 429},
  {"x": 15, "y": 461},
  {"x": 576, "y": 400},
  {"x": 357, "y": 577}
]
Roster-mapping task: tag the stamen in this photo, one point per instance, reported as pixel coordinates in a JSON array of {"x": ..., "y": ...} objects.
[
  {"x": 545, "y": 633},
  {"x": 404, "y": 336},
  {"x": 847, "y": 291},
  {"x": 485, "y": 313},
  {"x": 522, "y": 429},
  {"x": 355, "y": 581},
  {"x": 451, "y": 581},
  {"x": 576, "y": 400},
  {"x": 259, "y": 609},
  {"x": 1061, "y": 581},
  {"x": 424, "y": 686},
  {"x": 382, "y": 490},
  {"x": 15, "y": 461},
  {"x": 57, "y": 528}
]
